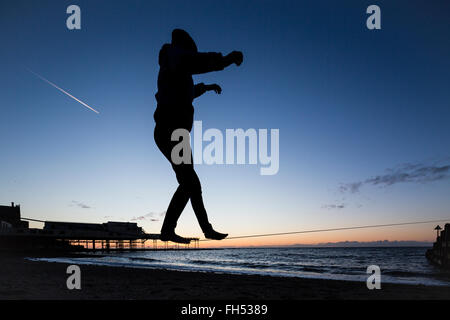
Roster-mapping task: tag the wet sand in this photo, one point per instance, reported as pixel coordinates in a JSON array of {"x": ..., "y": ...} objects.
[{"x": 35, "y": 280}]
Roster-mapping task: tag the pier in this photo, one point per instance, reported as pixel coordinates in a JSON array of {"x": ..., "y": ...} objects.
[{"x": 76, "y": 236}]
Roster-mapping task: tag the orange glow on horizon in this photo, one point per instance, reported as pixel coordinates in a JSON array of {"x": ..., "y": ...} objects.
[{"x": 422, "y": 233}]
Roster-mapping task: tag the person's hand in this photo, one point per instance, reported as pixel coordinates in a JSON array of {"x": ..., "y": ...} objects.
[
  {"x": 237, "y": 57},
  {"x": 217, "y": 89}
]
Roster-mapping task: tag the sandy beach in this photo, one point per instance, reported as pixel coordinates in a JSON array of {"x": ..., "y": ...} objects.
[{"x": 21, "y": 279}]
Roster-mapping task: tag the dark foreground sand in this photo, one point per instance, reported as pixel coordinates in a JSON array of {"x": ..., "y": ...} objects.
[{"x": 22, "y": 279}]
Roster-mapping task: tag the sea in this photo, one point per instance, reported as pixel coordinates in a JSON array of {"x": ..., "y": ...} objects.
[{"x": 406, "y": 265}]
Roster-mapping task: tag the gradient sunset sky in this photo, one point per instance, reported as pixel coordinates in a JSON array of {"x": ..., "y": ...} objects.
[{"x": 363, "y": 115}]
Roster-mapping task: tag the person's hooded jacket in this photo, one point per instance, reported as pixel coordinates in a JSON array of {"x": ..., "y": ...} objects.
[{"x": 178, "y": 61}]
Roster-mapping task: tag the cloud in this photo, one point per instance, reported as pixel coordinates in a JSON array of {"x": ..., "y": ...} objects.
[
  {"x": 405, "y": 173},
  {"x": 333, "y": 206},
  {"x": 351, "y": 187},
  {"x": 79, "y": 204},
  {"x": 152, "y": 216}
]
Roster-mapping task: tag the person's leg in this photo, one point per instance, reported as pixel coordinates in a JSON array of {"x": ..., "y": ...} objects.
[
  {"x": 189, "y": 188},
  {"x": 176, "y": 207},
  {"x": 190, "y": 185},
  {"x": 180, "y": 198}
]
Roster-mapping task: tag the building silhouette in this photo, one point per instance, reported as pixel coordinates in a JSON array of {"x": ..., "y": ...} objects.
[
  {"x": 15, "y": 234},
  {"x": 10, "y": 215}
]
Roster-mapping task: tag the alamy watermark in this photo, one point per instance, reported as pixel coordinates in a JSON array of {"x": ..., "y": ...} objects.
[
  {"x": 373, "y": 22},
  {"x": 73, "y": 22},
  {"x": 238, "y": 147},
  {"x": 74, "y": 280},
  {"x": 373, "y": 281}
]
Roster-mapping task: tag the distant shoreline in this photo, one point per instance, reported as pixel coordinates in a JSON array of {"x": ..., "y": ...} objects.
[{"x": 323, "y": 246}]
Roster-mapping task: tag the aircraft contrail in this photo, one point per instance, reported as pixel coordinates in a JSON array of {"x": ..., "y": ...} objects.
[{"x": 63, "y": 91}]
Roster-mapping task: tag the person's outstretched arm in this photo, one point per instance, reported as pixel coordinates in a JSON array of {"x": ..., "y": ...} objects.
[
  {"x": 201, "y": 88},
  {"x": 202, "y": 62}
]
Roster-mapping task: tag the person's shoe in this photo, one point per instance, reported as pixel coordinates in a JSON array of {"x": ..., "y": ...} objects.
[
  {"x": 172, "y": 236},
  {"x": 214, "y": 235}
]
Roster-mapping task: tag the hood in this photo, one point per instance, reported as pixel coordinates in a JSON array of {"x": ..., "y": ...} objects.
[{"x": 182, "y": 39}]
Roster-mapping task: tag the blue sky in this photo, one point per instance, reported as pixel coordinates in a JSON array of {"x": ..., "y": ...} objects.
[{"x": 350, "y": 104}]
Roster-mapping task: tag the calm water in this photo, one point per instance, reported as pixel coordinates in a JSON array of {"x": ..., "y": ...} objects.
[{"x": 398, "y": 265}]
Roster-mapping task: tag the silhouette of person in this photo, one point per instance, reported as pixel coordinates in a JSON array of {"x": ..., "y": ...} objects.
[{"x": 178, "y": 61}]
